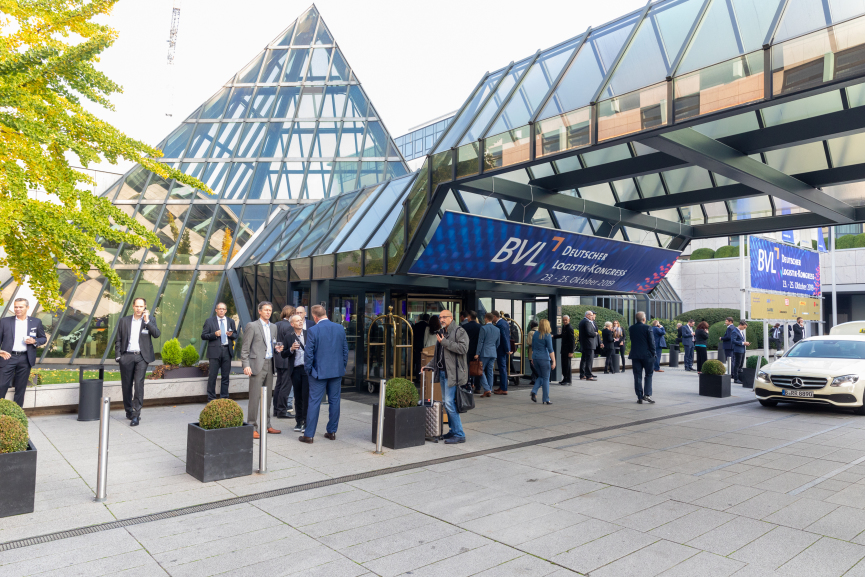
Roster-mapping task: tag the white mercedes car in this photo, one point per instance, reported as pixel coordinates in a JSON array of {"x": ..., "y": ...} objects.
[{"x": 828, "y": 370}]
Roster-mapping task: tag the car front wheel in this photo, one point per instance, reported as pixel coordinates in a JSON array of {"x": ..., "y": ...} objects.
[
  {"x": 768, "y": 403},
  {"x": 860, "y": 410}
]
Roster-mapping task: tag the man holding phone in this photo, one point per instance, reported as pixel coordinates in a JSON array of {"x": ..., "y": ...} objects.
[
  {"x": 134, "y": 350},
  {"x": 19, "y": 337},
  {"x": 220, "y": 333}
]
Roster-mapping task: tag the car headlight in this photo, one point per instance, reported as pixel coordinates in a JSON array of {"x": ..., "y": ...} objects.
[
  {"x": 845, "y": 380},
  {"x": 763, "y": 377}
]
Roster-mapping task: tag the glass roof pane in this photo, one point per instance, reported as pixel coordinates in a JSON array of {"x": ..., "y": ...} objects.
[
  {"x": 134, "y": 184},
  {"x": 467, "y": 113},
  {"x": 357, "y": 102},
  {"x": 306, "y": 27},
  {"x": 276, "y": 140},
  {"x": 852, "y": 193},
  {"x": 844, "y": 9},
  {"x": 239, "y": 102},
  {"x": 798, "y": 159},
  {"x": 211, "y": 179},
  {"x": 802, "y": 16},
  {"x": 722, "y": 180},
  {"x": 263, "y": 101},
  {"x": 542, "y": 170},
  {"x": 578, "y": 85},
  {"x": 323, "y": 35},
  {"x": 301, "y": 140},
  {"x": 493, "y": 104},
  {"x": 728, "y": 126},
  {"x": 286, "y": 102},
  {"x": 201, "y": 140},
  {"x": 804, "y": 108},
  {"x": 285, "y": 39},
  {"x": 214, "y": 107},
  {"x": 692, "y": 215},
  {"x": 371, "y": 172},
  {"x": 754, "y": 18},
  {"x": 321, "y": 226},
  {"x": 605, "y": 155},
  {"x": 176, "y": 143},
  {"x": 639, "y": 236},
  {"x": 310, "y": 102},
  {"x": 222, "y": 234},
  {"x": 227, "y": 140},
  {"x": 534, "y": 87},
  {"x": 670, "y": 214},
  {"x": 321, "y": 212},
  {"x": 395, "y": 169},
  {"x": 297, "y": 64},
  {"x": 674, "y": 21},
  {"x": 482, "y": 205},
  {"x": 716, "y": 212},
  {"x": 235, "y": 186},
  {"x": 568, "y": 164},
  {"x": 573, "y": 223},
  {"x": 292, "y": 178},
  {"x": 264, "y": 181},
  {"x": 273, "y": 64},
  {"x": 351, "y": 139},
  {"x": 325, "y": 140},
  {"x": 157, "y": 188},
  {"x": 355, "y": 215},
  {"x": 542, "y": 218},
  {"x": 784, "y": 207},
  {"x": 598, "y": 193},
  {"x": 651, "y": 185},
  {"x": 626, "y": 190},
  {"x": 848, "y": 150},
  {"x": 344, "y": 177},
  {"x": 450, "y": 203},
  {"x": 376, "y": 140},
  {"x": 687, "y": 179},
  {"x": 643, "y": 64},
  {"x": 753, "y": 207},
  {"x": 339, "y": 70},
  {"x": 317, "y": 180},
  {"x": 334, "y": 102},
  {"x": 319, "y": 64},
  {"x": 250, "y": 74}
]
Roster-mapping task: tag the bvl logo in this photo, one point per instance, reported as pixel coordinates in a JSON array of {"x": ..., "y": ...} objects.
[
  {"x": 515, "y": 249},
  {"x": 766, "y": 261}
]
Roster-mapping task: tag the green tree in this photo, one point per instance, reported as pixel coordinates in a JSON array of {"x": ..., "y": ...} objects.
[{"x": 48, "y": 55}]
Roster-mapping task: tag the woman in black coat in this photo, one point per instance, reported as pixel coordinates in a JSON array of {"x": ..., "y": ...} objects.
[
  {"x": 701, "y": 340},
  {"x": 608, "y": 337}
]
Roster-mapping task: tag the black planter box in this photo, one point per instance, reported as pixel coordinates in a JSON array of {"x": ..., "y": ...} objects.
[
  {"x": 216, "y": 454},
  {"x": 183, "y": 373},
  {"x": 18, "y": 471},
  {"x": 714, "y": 385},
  {"x": 747, "y": 377},
  {"x": 403, "y": 428}
]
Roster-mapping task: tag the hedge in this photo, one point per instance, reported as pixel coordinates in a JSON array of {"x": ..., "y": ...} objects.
[
  {"x": 845, "y": 241},
  {"x": 702, "y": 253},
  {"x": 578, "y": 312},
  {"x": 859, "y": 240},
  {"x": 727, "y": 252},
  {"x": 711, "y": 316},
  {"x": 754, "y": 335}
]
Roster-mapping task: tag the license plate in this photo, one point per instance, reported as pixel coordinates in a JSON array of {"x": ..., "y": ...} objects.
[{"x": 789, "y": 393}]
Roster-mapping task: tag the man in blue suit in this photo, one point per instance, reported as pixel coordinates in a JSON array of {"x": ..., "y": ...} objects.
[
  {"x": 660, "y": 343},
  {"x": 727, "y": 339},
  {"x": 325, "y": 359},
  {"x": 642, "y": 356},
  {"x": 19, "y": 337},
  {"x": 502, "y": 353},
  {"x": 739, "y": 344}
]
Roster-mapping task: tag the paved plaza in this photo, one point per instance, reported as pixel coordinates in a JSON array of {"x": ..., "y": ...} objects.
[{"x": 739, "y": 490}]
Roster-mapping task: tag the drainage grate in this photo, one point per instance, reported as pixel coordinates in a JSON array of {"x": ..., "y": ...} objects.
[{"x": 9, "y": 545}]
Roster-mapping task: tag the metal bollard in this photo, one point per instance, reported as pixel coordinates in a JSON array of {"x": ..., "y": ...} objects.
[
  {"x": 262, "y": 431},
  {"x": 102, "y": 470},
  {"x": 379, "y": 435}
]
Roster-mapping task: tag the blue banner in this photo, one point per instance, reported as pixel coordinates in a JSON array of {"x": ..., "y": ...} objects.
[
  {"x": 477, "y": 247},
  {"x": 783, "y": 268},
  {"x": 821, "y": 242}
]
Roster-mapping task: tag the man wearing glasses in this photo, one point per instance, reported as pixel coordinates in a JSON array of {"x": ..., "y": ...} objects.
[
  {"x": 220, "y": 333},
  {"x": 449, "y": 367}
]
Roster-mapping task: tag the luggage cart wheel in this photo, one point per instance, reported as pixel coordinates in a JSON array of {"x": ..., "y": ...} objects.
[{"x": 370, "y": 387}]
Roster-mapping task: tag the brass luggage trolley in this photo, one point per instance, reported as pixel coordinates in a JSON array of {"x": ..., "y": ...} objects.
[
  {"x": 390, "y": 330},
  {"x": 521, "y": 348}
]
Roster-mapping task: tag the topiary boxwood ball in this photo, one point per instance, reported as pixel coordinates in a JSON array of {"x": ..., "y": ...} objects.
[
  {"x": 400, "y": 394},
  {"x": 13, "y": 435},
  {"x": 11, "y": 409},
  {"x": 751, "y": 362},
  {"x": 713, "y": 367},
  {"x": 221, "y": 414}
]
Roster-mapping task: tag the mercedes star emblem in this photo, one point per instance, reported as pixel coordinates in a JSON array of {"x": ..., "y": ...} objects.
[{"x": 797, "y": 382}]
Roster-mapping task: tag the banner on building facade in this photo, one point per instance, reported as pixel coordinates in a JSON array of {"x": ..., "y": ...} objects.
[
  {"x": 784, "y": 307},
  {"x": 482, "y": 248},
  {"x": 783, "y": 268}
]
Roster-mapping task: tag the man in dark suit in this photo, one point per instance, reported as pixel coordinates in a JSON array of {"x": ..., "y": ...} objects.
[
  {"x": 688, "y": 343},
  {"x": 19, "y": 337},
  {"x": 325, "y": 359},
  {"x": 294, "y": 348},
  {"x": 776, "y": 338},
  {"x": 134, "y": 350},
  {"x": 567, "y": 351},
  {"x": 502, "y": 353},
  {"x": 798, "y": 330},
  {"x": 307, "y": 322},
  {"x": 220, "y": 332},
  {"x": 727, "y": 339},
  {"x": 417, "y": 333},
  {"x": 473, "y": 330},
  {"x": 739, "y": 344},
  {"x": 283, "y": 388},
  {"x": 588, "y": 343},
  {"x": 642, "y": 357}
]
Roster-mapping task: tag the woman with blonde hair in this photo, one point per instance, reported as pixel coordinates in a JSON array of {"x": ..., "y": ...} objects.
[
  {"x": 543, "y": 360},
  {"x": 620, "y": 342}
]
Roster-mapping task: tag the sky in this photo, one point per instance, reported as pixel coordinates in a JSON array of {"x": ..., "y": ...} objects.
[{"x": 415, "y": 60}]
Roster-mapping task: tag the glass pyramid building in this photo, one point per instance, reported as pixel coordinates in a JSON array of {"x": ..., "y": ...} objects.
[{"x": 291, "y": 127}]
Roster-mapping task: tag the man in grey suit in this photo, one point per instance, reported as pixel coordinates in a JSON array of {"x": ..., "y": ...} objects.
[
  {"x": 256, "y": 356},
  {"x": 688, "y": 342}
]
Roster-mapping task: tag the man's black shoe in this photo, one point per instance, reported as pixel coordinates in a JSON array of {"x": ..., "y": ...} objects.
[
  {"x": 639, "y": 401},
  {"x": 648, "y": 399},
  {"x": 134, "y": 422},
  {"x": 455, "y": 440},
  {"x": 283, "y": 416},
  {"x": 128, "y": 417}
]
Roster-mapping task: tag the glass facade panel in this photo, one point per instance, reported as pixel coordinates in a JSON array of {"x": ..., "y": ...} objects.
[
  {"x": 200, "y": 308},
  {"x": 319, "y": 64},
  {"x": 170, "y": 306},
  {"x": 273, "y": 63},
  {"x": 754, "y": 207},
  {"x": 339, "y": 69},
  {"x": 375, "y": 143},
  {"x": 215, "y": 106},
  {"x": 276, "y": 140},
  {"x": 265, "y": 180},
  {"x": 489, "y": 110},
  {"x": 191, "y": 247},
  {"x": 798, "y": 159},
  {"x": 716, "y": 212},
  {"x": 605, "y": 155},
  {"x": 573, "y": 223},
  {"x": 564, "y": 132},
  {"x": 218, "y": 249},
  {"x": 318, "y": 180},
  {"x": 800, "y": 109},
  {"x": 306, "y": 27},
  {"x": 300, "y": 145},
  {"x": 687, "y": 179},
  {"x": 351, "y": 140},
  {"x": 341, "y": 227},
  {"x": 168, "y": 231},
  {"x": 334, "y": 101},
  {"x": 633, "y": 112},
  {"x": 238, "y": 104},
  {"x": 848, "y": 150},
  {"x": 377, "y": 215},
  {"x": 720, "y": 86},
  {"x": 468, "y": 112},
  {"x": 651, "y": 185},
  {"x": 201, "y": 140},
  {"x": 292, "y": 179},
  {"x": 348, "y": 264},
  {"x": 250, "y": 74},
  {"x": 370, "y": 173},
  {"x": 598, "y": 193},
  {"x": 250, "y": 141},
  {"x": 176, "y": 143},
  {"x": 626, "y": 190},
  {"x": 508, "y": 148},
  {"x": 802, "y": 16},
  {"x": 105, "y": 317},
  {"x": 229, "y": 134},
  {"x": 263, "y": 101},
  {"x": 134, "y": 184},
  {"x": 72, "y": 327},
  {"x": 310, "y": 102},
  {"x": 235, "y": 186},
  {"x": 357, "y": 103},
  {"x": 286, "y": 102},
  {"x": 692, "y": 215},
  {"x": 467, "y": 160},
  {"x": 482, "y": 205},
  {"x": 325, "y": 140}
]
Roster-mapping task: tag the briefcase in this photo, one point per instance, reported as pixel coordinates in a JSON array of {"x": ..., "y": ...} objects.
[
  {"x": 476, "y": 368},
  {"x": 434, "y": 418}
]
